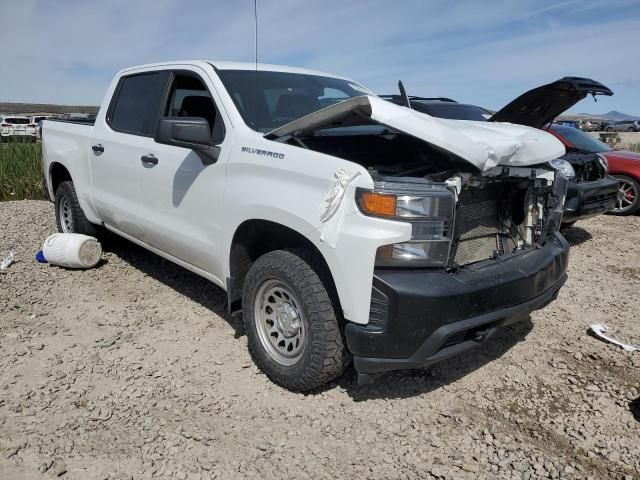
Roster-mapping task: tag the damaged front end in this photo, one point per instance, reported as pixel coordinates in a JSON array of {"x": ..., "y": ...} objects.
[
  {"x": 484, "y": 252},
  {"x": 467, "y": 218},
  {"x": 472, "y": 191},
  {"x": 484, "y": 208}
]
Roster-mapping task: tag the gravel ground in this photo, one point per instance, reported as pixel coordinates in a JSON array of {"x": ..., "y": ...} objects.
[{"x": 133, "y": 370}]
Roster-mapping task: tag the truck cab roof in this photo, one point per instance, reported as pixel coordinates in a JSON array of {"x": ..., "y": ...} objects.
[{"x": 230, "y": 65}]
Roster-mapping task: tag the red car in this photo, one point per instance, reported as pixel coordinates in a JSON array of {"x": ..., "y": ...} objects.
[{"x": 624, "y": 166}]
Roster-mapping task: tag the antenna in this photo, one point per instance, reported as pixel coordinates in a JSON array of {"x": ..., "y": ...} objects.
[
  {"x": 403, "y": 95},
  {"x": 255, "y": 18}
]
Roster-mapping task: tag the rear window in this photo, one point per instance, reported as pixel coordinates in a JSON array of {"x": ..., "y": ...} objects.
[
  {"x": 137, "y": 105},
  {"x": 16, "y": 121}
]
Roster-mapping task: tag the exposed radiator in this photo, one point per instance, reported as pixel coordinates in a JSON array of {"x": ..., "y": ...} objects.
[{"x": 480, "y": 228}]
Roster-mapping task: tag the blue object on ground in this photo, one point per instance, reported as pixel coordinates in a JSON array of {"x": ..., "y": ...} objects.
[{"x": 40, "y": 257}]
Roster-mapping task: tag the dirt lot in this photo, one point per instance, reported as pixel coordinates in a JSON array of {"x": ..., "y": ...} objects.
[{"x": 132, "y": 370}]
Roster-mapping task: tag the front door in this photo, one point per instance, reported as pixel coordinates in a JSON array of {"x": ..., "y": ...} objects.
[{"x": 180, "y": 195}]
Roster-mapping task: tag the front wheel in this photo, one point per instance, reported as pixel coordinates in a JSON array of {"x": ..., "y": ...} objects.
[
  {"x": 628, "y": 201},
  {"x": 293, "y": 328},
  {"x": 69, "y": 215}
]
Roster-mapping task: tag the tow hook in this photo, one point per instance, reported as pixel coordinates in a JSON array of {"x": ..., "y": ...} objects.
[{"x": 481, "y": 335}]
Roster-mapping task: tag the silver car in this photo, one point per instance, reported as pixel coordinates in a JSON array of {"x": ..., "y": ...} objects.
[{"x": 624, "y": 126}]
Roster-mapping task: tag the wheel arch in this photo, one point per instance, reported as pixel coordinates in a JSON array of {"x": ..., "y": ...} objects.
[
  {"x": 58, "y": 173},
  {"x": 255, "y": 237}
]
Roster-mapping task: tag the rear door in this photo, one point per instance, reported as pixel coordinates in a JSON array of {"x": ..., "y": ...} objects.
[
  {"x": 181, "y": 196},
  {"x": 120, "y": 138}
]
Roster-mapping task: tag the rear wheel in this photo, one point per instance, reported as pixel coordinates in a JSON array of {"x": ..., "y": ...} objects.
[
  {"x": 69, "y": 215},
  {"x": 628, "y": 201},
  {"x": 292, "y": 326}
]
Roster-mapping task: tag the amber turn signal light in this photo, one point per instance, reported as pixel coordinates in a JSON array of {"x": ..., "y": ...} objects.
[{"x": 378, "y": 204}]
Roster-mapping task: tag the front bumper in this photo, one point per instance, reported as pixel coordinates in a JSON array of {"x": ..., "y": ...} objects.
[
  {"x": 587, "y": 199},
  {"x": 419, "y": 317}
]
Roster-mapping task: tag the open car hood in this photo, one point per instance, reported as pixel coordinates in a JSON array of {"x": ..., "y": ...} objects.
[
  {"x": 541, "y": 105},
  {"x": 484, "y": 145}
]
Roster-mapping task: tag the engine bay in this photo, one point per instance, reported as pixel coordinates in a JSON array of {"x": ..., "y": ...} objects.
[{"x": 500, "y": 212}]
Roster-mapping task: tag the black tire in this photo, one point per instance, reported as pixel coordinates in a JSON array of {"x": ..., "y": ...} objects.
[
  {"x": 623, "y": 208},
  {"x": 324, "y": 355},
  {"x": 69, "y": 215}
]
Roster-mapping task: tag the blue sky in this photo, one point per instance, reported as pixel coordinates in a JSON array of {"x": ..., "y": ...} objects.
[{"x": 483, "y": 52}]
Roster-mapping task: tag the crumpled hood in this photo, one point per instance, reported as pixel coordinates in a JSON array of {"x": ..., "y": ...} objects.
[
  {"x": 509, "y": 144},
  {"x": 484, "y": 145}
]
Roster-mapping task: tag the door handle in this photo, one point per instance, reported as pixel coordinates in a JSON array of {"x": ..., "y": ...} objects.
[
  {"x": 149, "y": 159},
  {"x": 97, "y": 149}
]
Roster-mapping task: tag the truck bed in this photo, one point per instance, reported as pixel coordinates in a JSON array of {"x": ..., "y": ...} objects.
[
  {"x": 79, "y": 121},
  {"x": 68, "y": 143}
]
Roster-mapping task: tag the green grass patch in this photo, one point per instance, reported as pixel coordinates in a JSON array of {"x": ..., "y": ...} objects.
[{"x": 21, "y": 171}]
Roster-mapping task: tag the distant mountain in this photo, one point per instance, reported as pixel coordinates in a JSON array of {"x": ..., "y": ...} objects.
[{"x": 613, "y": 116}]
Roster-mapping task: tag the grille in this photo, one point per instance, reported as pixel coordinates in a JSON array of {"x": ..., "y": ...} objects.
[
  {"x": 601, "y": 198},
  {"x": 479, "y": 231},
  {"x": 588, "y": 172},
  {"x": 586, "y": 166}
]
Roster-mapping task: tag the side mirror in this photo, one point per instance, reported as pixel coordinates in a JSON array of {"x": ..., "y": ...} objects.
[{"x": 188, "y": 132}]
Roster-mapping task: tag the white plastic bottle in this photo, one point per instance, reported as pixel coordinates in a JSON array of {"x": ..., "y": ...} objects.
[{"x": 72, "y": 250}]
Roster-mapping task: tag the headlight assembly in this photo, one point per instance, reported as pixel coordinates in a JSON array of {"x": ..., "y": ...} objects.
[
  {"x": 604, "y": 162},
  {"x": 564, "y": 167},
  {"x": 428, "y": 208}
]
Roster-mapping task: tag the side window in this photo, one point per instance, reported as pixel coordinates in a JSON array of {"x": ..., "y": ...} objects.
[
  {"x": 189, "y": 97},
  {"x": 138, "y": 102}
]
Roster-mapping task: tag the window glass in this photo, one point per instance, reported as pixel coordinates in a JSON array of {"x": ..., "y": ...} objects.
[
  {"x": 581, "y": 140},
  {"x": 268, "y": 100},
  {"x": 16, "y": 121},
  {"x": 189, "y": 97},
  {"x": 450, "y": 110},
  {"x": 138, "y": 104}
]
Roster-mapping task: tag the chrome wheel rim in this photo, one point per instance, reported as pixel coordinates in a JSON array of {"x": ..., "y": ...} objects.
[
  {"x": 279, "y": 322},
  {"x": 627, "y": 196},
  {"x": 64, "y": 212}
]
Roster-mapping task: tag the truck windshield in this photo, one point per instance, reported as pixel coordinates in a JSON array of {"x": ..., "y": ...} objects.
[
  {"x": 268, "y": 100},
  {"x": 580, "y": 140}
]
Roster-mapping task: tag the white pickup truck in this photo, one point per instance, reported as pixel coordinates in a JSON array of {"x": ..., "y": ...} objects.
[{"x": 342, "y": 225}]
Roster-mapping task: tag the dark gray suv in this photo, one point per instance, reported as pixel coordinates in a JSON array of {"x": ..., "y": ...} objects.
[{"x": 624, "y": 126}]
